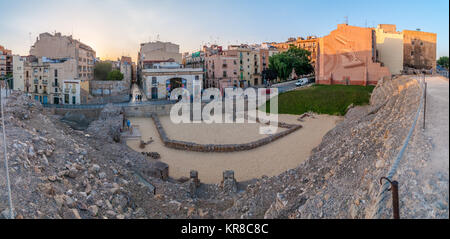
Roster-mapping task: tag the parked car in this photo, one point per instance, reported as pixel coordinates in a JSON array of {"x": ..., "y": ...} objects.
[{"x": 302, "y": 82}]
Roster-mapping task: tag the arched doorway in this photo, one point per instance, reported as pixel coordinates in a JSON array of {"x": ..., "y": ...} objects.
[{"x": 175, "y": 83}]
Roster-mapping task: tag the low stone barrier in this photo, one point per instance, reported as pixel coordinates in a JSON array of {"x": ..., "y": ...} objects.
[{"x": 221, "y": 148}]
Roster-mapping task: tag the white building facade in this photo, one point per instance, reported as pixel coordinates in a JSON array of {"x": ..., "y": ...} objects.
[
  {"x": 19, "y": 72},
  {"x": 71, "y": 92},
  {"x": 159, "y": 81}
]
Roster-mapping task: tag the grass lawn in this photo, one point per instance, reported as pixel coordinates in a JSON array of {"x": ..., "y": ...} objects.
[{"x": 323, "y": 99}]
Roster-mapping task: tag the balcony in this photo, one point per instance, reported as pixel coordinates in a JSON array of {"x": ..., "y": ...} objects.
[
  {"x": 36, "y": 81},
  {"x": 45, "y": 82},
  {"x": 55, "y": 84}
]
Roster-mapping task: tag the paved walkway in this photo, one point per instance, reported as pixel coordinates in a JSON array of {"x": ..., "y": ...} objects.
[
  {"x": 424, "y": 177},
  {"x": 437, "y": 122},
  {"x": 437, "y": 130}
]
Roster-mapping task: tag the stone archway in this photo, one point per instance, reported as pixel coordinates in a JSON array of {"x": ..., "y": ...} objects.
[{"x": 174, "y": 83}]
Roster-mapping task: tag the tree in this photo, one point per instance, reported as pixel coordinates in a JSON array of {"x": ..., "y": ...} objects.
[
  {"x": 269, "y": 74},
  {"x": 102, "y": 70},
  {"x": 443, "y": 61},
  {"x": 301, "y": 63},
  {"x": 294, "y": 58},
  {"x": 115, "y": 75}
]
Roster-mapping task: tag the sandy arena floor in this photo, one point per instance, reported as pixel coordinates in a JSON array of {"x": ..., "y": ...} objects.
[{"x": 270, "y": 160}]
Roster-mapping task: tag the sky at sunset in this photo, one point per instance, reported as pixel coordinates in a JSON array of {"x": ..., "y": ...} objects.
[{"x": 115, "y": 28}]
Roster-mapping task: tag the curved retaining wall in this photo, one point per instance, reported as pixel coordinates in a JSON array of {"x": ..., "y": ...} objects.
[{"x": 220, "y": 148}]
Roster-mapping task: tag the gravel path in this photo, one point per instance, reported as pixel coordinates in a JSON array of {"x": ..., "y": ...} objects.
[
  {"x": 437, "y": 123},
  {"x": 424, "y": 173}
]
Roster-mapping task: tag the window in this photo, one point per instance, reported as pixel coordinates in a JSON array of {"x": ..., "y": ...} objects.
[
  {"x": 197, "y": 77},
  {"x": 224, "y": 74},
  {"x": 412, "y": 53},
  {"x": 56, "y": 73},
  {"x": 154, "y": 80}
]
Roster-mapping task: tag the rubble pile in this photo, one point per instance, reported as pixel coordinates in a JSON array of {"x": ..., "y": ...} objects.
[{"x": 58, "y": 172}]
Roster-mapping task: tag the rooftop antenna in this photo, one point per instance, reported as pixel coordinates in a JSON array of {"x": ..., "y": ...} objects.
[
  {"x": 346, "y": 20},
  {"x": 157, "y": 37}
]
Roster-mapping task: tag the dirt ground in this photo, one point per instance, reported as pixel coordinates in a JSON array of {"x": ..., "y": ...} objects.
[{"x": 268, "y": 160}]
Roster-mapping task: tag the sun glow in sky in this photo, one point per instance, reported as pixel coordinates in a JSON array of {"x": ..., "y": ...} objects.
[{"x": 117, "y": 27}]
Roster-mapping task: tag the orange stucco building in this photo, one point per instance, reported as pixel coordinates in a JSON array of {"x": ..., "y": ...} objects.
[{"x": 348, "y": 56}]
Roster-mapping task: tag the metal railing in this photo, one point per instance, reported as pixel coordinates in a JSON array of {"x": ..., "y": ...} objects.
[
  {"x": 100, "y": 106},
  {"x": 382, "y": 196},
  {"x": 443, "y": 73}
]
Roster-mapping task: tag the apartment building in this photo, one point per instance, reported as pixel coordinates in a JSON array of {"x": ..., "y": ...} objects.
[
  {"x": 58, "y": 46},
  {"x": 156, "y": 52},
  {"x": 310, "y": 43},
  {"x": 249, "y": 64},
  {"x": 265, "y": 52},
  {"x": 52, "y": 81},
  {"x": 222, "y": 68},
  {"x": 19, "y": 65},
  {"x": 6, "y": 66},
  {"x": 195, "y": 60}
]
